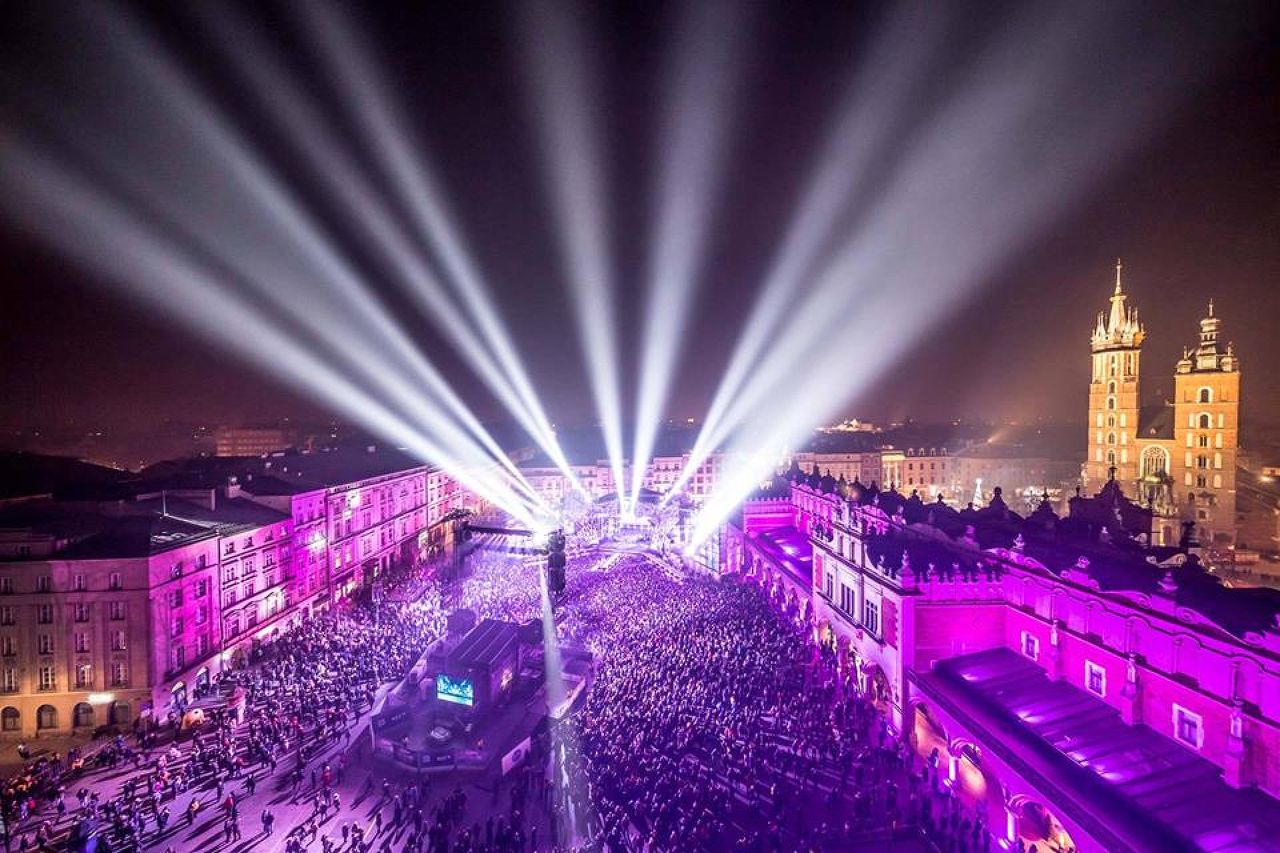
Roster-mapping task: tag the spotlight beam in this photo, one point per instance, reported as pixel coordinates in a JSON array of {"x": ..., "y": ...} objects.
[
  {"x": 384, "y": 133},
  {"x": 348, "y": 298},
  {"x": 976, "y": 186},
  {"x": 566, "y": 104},
  {"x": 867, "y": 119},
  {"x": 97, "y": 232},
  {"x": 692, "y": 143}
]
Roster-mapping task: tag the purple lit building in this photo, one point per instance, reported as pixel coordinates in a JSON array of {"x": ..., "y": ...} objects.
[{"x": 1085, "y": 690}]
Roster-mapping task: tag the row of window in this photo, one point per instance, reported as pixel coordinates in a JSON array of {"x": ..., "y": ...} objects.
[
  {"x": 1188, "y": 727},
  {"x": 80, "y": 612},
  {"x": 80, "y": 641},
  {"x": 79, "y": 583},
  {"x": 47, "y": 677}
]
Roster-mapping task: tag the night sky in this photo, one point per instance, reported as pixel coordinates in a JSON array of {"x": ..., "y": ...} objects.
[{"x": 1195, "y": 213}]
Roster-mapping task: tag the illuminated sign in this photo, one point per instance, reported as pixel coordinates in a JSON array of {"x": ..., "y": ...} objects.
[{"x": 456, "y": 690}]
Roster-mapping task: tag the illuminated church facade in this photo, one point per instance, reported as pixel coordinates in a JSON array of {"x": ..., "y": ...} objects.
[{"x": 1177, "y": 457}]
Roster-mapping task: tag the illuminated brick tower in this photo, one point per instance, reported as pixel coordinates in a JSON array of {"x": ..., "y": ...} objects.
[
  {"x": 1113, "y": 395},
  {"x": 1206, "y": 426}
]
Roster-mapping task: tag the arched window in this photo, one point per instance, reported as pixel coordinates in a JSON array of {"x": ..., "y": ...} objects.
[
  {"x": 1111, "y": 438},
  {"x": 1205, "y": 421},
  {"x": 1111, "y": 420},
  {"x": 1111, "y": 458},
  {"x": 120, "y": 715},
  {"x": 1200, "y": 481},
  {"x": 82, "y": 715},
  {"x": 1111, "y": 387},
  {"x": 46, "y": 717},
  {"x": 1206, "y": 395},
  {"x": 1155, "y": 461},
  {"x": 1202, "y": 461},
  {"x": 1111, "y": 403},
  {"x": 10, "y": 719}
]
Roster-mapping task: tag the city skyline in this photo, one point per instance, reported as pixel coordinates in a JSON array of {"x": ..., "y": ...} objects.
[{"x": 1184, "y": 212}]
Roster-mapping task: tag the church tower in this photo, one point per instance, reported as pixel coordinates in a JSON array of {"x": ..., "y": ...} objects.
[
  {"x": 1206, "y": 434},
  {"x": 1113, "y": 395}
]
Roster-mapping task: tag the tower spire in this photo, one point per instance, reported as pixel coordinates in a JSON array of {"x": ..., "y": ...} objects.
[{"x": 1119, "y": 267}]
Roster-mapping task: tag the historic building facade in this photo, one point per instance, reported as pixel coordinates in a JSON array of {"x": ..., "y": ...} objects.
[
  {"x": 1069, "y": 682},
  {"x": 114, "y": 608},
  {"x": 1178, "y": 457}
]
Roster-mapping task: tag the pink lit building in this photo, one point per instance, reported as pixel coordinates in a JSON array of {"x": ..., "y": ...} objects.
[
  {"x": 133, "y": 602},
  {"x": 1086, "y": 691}
]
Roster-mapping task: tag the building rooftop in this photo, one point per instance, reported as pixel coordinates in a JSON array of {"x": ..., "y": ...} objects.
[
  {"x": 790, "y": 549},
  {"x": 1100, "y": 542},
  {"x": 67, "y": 530},
  {"x": 1154, "y": 793},
  {"x": 285, "y": 473},
  {"x": 28, "y": 474}
]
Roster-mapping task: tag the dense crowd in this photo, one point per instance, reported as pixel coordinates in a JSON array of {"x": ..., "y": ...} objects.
[{"x": 714, "y": 723}]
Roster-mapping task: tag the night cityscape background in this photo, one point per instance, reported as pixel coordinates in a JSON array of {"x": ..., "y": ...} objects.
[{"x": 617, "y": 426}]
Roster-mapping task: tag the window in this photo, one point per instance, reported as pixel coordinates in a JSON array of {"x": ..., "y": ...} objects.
[
  {"x": 77, "y": 583},
  {"x": 1111, "y": 404},
  {"x": 846, "y": 599},
  {"x": 45, "y": 644},
  {"x": 115, "y": 581},
  {"x": 81, "y": 612},
  {"x": 871, "y": 616},
  {"x": 46, "y": 680},
  {"x": 84, "y": 675},
  {"x": 202, "y": 645},
  {"x": 82, "y": 643},
  {"x": 1200, "y": 481},
  {"x": 119, "y": 641},
  {"x": 1206, "y": 395},
  {"x": 1205, "y": 421},
  {"x": 1188, "y": 727},
  {"x": 202, "y": 588},
  {"x": 44, "y": 583},
  {"x": 1202, "y": 461},
  {"x": 44, "y": 614},
  {"x": 179, "y": 658},
  {"x": 1095, "y": 679},
  {"x": 6, "y": 586},
  {"x": 115, "y": 610},
  {"x": 9, "y": 682},
  {"x": 46, "y": 717},
  {"x": 175, "y": 598},
  {"x": 119, "y": 674},
  {"x": 1030, "y": 645},
  {"x": 7, "y": 616},
  {"x": 175, "y": 630},
  {"x": 8, "y": 647}
]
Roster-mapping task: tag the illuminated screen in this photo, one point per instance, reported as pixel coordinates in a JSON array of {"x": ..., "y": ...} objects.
[{"x": 456, "y": 690}]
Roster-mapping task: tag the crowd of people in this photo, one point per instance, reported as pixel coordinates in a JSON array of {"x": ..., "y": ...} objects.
[{"x": 714, "y": 722}]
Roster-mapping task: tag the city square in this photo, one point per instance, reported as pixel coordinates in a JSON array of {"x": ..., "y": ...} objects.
[{"x": 589, "y": 426}]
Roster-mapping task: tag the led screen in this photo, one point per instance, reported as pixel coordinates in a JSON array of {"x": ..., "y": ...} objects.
[{"x": 456, "y": 690}]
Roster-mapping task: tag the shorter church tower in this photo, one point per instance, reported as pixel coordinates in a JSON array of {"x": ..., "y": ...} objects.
[
  {"x": 1113, "y": 395},
  {"x": 1206, "y": 434}
]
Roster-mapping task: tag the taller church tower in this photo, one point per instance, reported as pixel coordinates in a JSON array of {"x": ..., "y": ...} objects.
[
  {"x": 1113, "y": 395},
  {"x": 1206, "y": 427}
]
